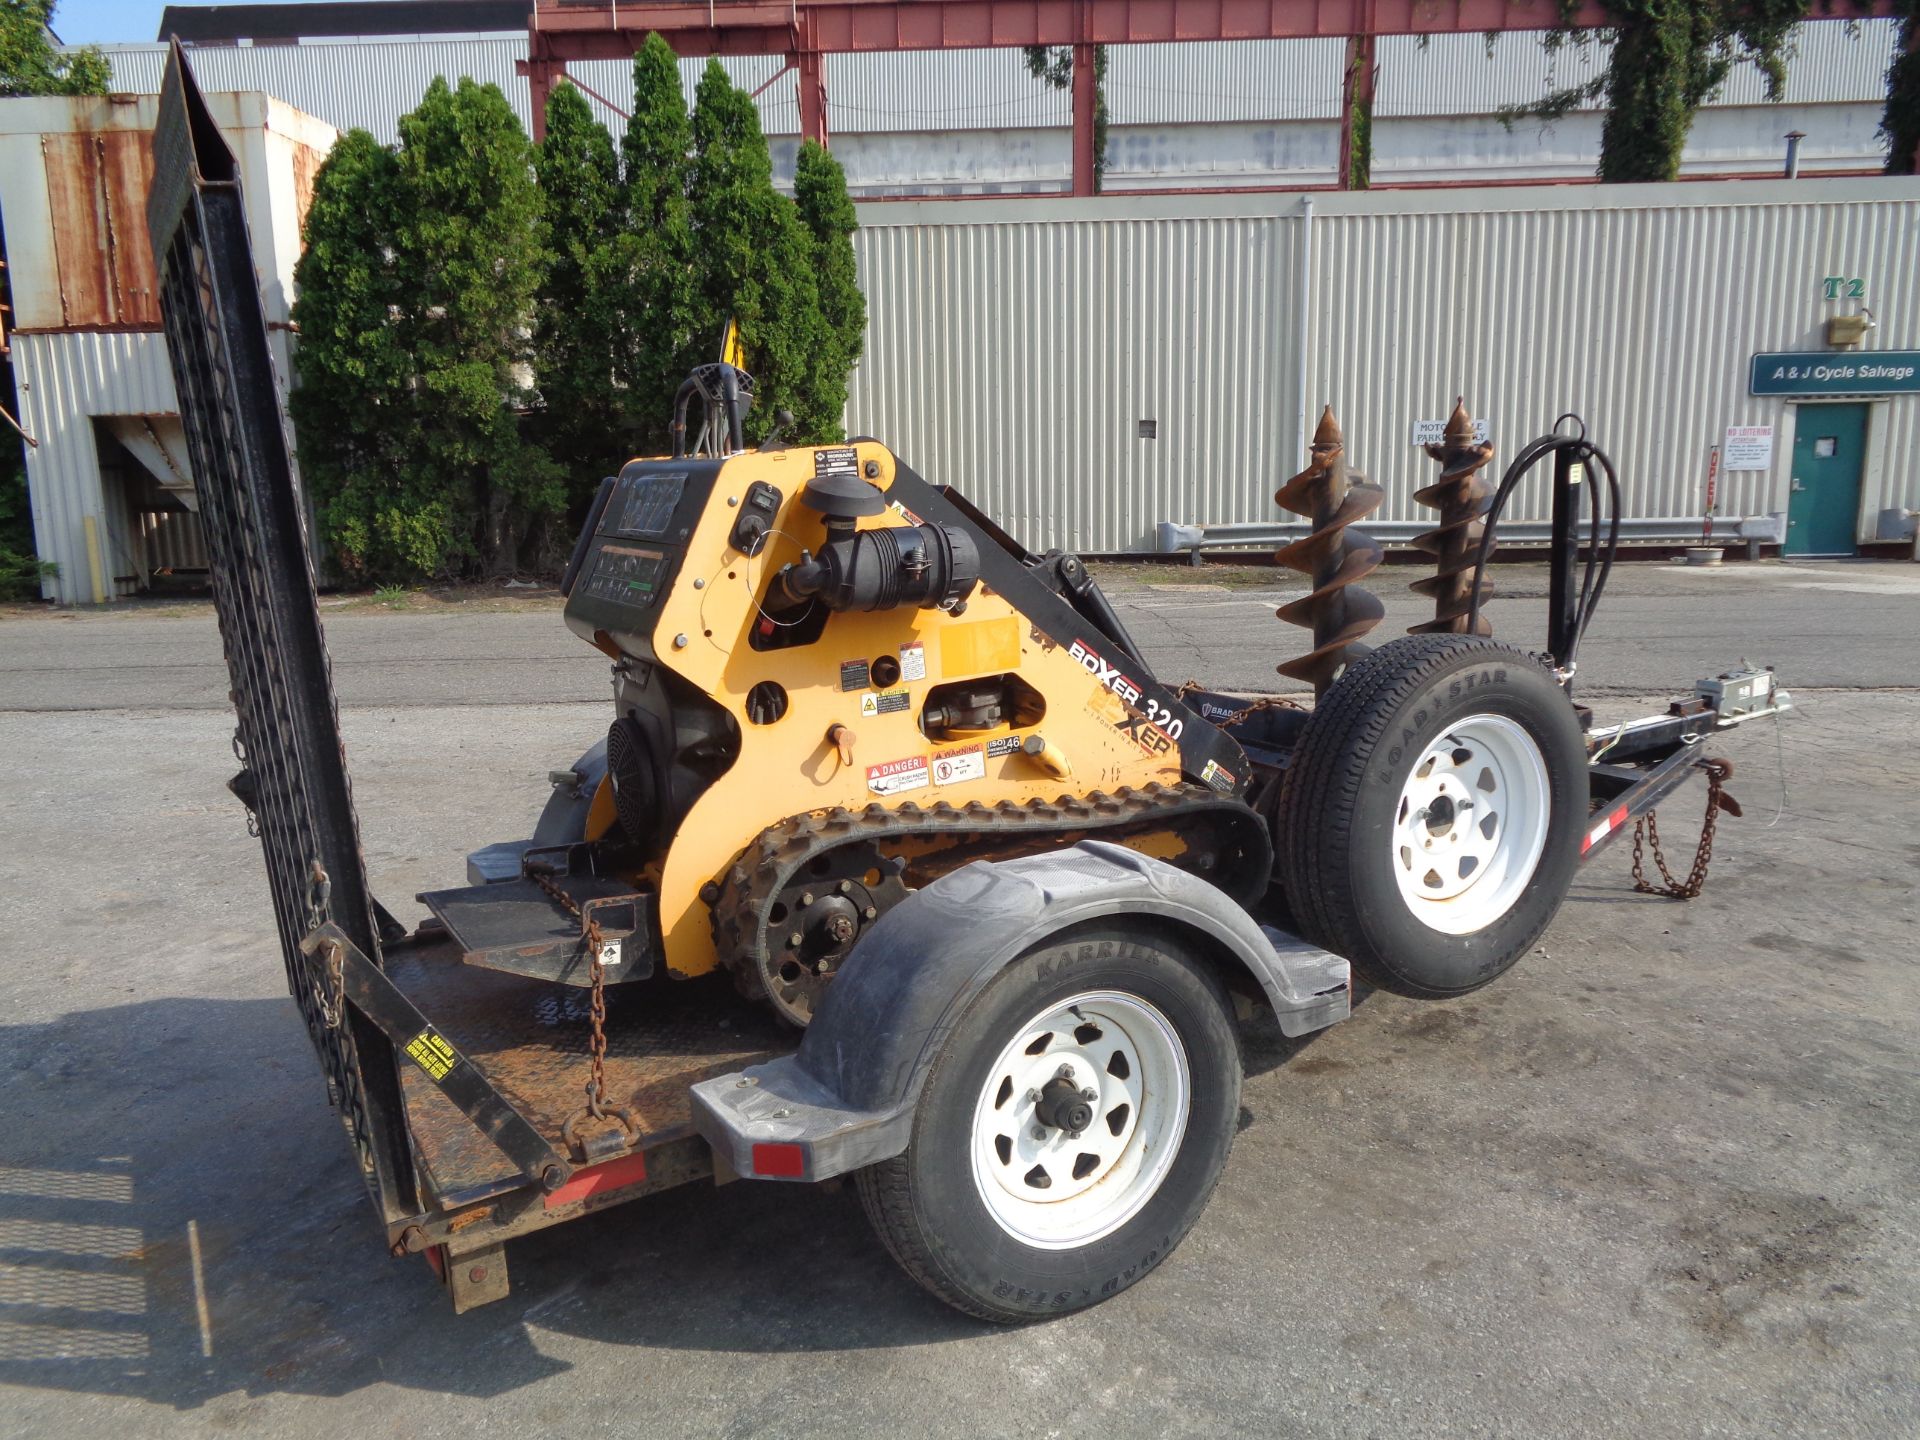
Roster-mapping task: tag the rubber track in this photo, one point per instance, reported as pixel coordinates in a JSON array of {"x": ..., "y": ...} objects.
[
  {"x": 1324, "y": 776},
  {"x": 772, "y": 860}
]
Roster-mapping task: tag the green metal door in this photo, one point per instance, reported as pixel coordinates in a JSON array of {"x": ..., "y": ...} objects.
[{"x": 1823, "y": 506}]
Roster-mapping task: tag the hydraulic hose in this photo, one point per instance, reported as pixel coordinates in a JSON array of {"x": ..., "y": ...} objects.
[{"x": 1599, "y": 564}]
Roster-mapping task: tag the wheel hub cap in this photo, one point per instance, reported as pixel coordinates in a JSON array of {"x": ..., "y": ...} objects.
[
  {"x": 1079, "y": 1119},
  {"x": 1471, "y": 824}
]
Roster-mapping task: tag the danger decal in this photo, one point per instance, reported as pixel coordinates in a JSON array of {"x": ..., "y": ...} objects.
[{"x": 895, "y": 777}]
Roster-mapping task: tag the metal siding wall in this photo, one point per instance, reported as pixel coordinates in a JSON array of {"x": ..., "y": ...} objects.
[
  {"x": 1014, "y": 360},
  {"x": 936, "y": 90},
  {"x": 1641, "y": 319},
  {"x": 1210, "y": 81},
  {"x": 64, "y": 381}
]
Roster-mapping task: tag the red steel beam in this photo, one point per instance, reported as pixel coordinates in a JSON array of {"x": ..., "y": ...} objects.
[{"x": 756, "y": 27}]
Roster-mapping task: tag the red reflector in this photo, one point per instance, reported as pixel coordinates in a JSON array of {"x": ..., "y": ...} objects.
[
  {"x": 779, "y": 1162},
  {"x": 627, "y": 1170}
]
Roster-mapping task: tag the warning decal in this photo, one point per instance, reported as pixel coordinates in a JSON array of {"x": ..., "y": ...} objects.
[
  {"x": 1218, "y": 776},
  {"x": 895, "y": 777},
  {"x": 883, "y": 702},
  {"x": 853, "y": 674},
  {"x": 913, "y": 661},
  {"x": 431, "y": 1053},
  {"x": 964, "y": 762}
]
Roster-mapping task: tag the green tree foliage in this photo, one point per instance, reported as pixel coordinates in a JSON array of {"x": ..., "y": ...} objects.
[
  {"x": 652, "y": 275},
  {"x": 20, "y": 571},
  {"x": 1669, "y": 58},
  {"x": 577, "y": 324},
  {"x": 1055, "y": 66},
  {"x": 29, "y": 65},
  {"x": 820, "y": 190},
  {"x": 1900, "y": 123},
  {"x": 409, "y": 436},
  {"x": 754, "y": 257}
]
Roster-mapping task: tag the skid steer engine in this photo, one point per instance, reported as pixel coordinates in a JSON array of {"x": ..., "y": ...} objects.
[{"x": 834, "y": 682}]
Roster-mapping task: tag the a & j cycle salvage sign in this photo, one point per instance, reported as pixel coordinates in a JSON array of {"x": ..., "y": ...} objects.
[{"x": 1817, "y": 372}]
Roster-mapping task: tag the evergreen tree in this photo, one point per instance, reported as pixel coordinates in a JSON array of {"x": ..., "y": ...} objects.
[
  {"x": 468, "y": 260},
  {"x": 416, "y": 291},
  {"x": 29, "y": 65},
  {"x": 652, "y": 269},
  {"x": 577, "y": 324},
  {"x": 754, "y": 257},
  {"x": 820, "y": 191},
  {"x": 352, "y": 407}
]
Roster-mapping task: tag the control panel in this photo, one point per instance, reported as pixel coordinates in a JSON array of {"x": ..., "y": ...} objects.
[{"x": 635, "y": 553}]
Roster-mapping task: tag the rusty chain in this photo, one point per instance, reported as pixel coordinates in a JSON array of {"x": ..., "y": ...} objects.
[
  {"x": 597, "y": 1009},
  {"x": 329, "y": 987},
  {"x": 1647, "y": 831},
  {"x": 596, "y": 1107},
  {"x": 1265, "y": 702}
]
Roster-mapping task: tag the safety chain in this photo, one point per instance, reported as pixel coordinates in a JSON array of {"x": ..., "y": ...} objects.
[
  {"x": 1265, "y": 702},
  {"x": 1718, "y": 773},
  {"x": 329, "y": 988},
  {"x": 596, "y": 1107}
]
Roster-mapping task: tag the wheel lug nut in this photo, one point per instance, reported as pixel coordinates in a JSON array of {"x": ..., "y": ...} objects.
[
  {"x": 846, "y": 887},
  {"x": 807, "y": 898},
  {"x": 1065, "y": 1072},
  {"x": 870, "y": 912},
  {"x": 794, "y": 939},
  {"x": 1039, "y": 1132},
  {"x": 1086, "y": 1094}
]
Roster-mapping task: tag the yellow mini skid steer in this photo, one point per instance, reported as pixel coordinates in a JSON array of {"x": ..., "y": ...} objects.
[{"x": 896, "y": 860}]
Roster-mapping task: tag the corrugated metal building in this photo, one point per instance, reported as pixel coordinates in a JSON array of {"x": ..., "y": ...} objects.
[
  {"x": 1246, "y": 113},
  {"x": 1019, "y": 349},
  {"x": 109, "y": 477}
]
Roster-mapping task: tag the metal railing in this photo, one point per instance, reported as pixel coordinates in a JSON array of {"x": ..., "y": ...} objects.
[{"x": 1753, "y": 531}]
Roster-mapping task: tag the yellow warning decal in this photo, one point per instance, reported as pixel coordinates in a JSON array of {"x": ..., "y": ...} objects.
[{"x": 431, "y": 1053}]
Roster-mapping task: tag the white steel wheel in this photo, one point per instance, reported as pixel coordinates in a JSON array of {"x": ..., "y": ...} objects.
[
  {"x": 1471, "y": 824},
  {"x": 1079, "y": 1119}
]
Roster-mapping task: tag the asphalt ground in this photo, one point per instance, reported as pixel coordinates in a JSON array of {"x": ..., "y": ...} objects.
[{"x": 1659, "y": 1180}]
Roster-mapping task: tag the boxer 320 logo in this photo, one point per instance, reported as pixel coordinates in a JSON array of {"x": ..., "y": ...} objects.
[{"x": 1143, "y": 719}]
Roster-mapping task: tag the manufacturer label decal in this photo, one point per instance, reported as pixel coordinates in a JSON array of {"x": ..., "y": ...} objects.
[
  {"x": 853, "y": 674},
  {"x": 841, "y": 460},
  {"x": 963, "y": 762},
  {"x": 1218, "y": 776},
  {"x": 431, "y": 1053},
  {"x": 913, "y": 661},
  {"x": 1003, "y": 745},
  {"x": 895, "y": 777},
  {"x": 883, "y": 702}
]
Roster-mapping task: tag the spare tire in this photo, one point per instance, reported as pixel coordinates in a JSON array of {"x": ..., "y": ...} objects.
[{"x": 1429, "y": 822}]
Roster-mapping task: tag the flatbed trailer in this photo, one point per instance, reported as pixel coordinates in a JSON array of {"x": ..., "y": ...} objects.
[{"x": 459, "y": 1083}]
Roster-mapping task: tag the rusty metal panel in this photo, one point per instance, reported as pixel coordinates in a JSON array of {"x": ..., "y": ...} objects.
[
  {"x": 96, "y": 192},
  {"x": 530, "y": 1040}
]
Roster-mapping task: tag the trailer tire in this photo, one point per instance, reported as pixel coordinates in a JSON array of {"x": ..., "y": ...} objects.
[
  {"x": 959, "y": 1209},
  {"x": 1378, "y": 864}
]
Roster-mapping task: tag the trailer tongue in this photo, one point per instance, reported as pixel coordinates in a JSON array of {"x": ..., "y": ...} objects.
[{"x": 897, "y": 861}]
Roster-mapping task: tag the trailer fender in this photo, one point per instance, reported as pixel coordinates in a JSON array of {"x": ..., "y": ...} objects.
[{"x": 846, "y": 1098}]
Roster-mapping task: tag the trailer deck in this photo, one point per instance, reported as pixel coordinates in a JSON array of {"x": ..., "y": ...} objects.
[{"x": 529, "y": 1038}]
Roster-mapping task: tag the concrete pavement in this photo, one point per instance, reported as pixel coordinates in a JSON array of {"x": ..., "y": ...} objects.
[{"x": 1660, "y": 1180}]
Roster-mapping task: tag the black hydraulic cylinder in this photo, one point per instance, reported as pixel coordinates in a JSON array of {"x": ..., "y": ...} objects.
[{"x": 1563, "y": 594}]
